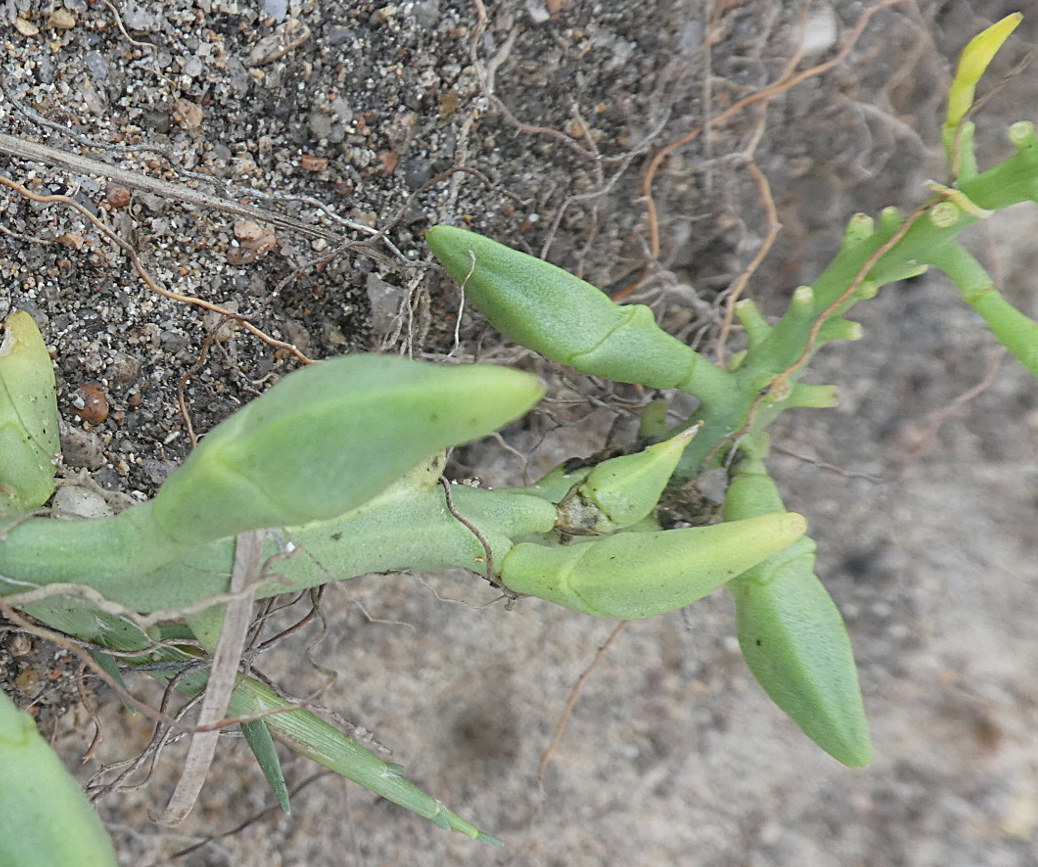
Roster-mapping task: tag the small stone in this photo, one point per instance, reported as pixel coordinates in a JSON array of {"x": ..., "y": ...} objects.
[
  {"x": 116, "y": 196},
  {"x": 342, "y": 110},
  {"x": 256, "y": 242},
  {"x": 61, "y": 19},
  {"x": 82, "y": 449},
  {"x": 122, "y": 369},
  {"x": 187, "y": 114},
  {"x": 247, "y": 230},
  {"x": 537, "y": 11},
  {"x": 193, "y": 67},
  {"x": 91, "y": 403},
  {"x": 313, "y": 164},
  {"x": 276, "y": 9},
  {"x": 26, "y": 28},
  {"x": 285, "y": 38},
  {"x": 20, "y": 644},
  {"x": 320, "y": 125},
  {"x": 96, "y": 66},
  {"x": 28, "y": 679},
  {"x": 417, "y": 172},
  {"x": 70, "y": 239},
  {"x": 81, "y": 501}
]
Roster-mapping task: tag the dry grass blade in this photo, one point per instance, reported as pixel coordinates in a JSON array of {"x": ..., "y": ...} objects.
[
  {"x": 28, "y": 150},
  {"x": 248, "y": 557}
]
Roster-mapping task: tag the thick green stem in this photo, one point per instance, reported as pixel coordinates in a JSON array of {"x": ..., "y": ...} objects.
[
  {"x": 929, "y": 241},
  {"x": 1014, "y": 330},
  {"x": 120, "y": 548},
  {"x": 129, "y": 561},
  {"x": 708, "y": 382}
]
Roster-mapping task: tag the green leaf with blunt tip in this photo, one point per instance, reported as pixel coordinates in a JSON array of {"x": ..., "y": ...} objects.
[
  {"x": 45, "y": 818},
  {"x": 329, "y": 437},
  {"x": 793, "y": 640},
  {"x": 642, "y": 574},
  {"x": 28, "y": 418},
  {"x": 561, "y": 316},
  {"x": 791, "y": 634}
]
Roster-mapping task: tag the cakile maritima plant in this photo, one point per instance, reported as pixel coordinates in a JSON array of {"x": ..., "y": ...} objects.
[{"x": 338, "y": 469}]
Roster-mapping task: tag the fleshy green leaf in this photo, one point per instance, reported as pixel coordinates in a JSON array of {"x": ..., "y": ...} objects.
[{"x": 28, "y": 417}]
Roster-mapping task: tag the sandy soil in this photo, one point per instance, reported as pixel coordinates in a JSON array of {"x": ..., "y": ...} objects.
[{"x": 924, "y": 506}]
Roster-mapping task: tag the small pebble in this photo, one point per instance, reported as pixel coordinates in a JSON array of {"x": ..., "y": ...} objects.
[{"x": 91, "y": 403}]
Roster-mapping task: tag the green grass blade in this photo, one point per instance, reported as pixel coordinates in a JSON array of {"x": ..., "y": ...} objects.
[
  {"x": 257, "y": 736},
  {"x": 312, "y": 737}
]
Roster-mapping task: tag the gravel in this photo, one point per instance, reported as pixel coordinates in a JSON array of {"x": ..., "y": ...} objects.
[{"x": 365, "y": 124}]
